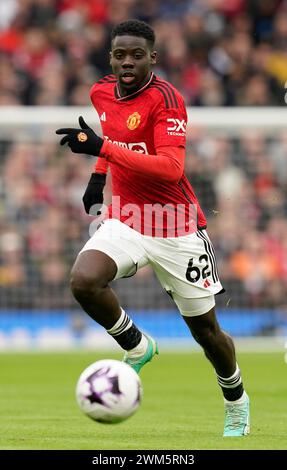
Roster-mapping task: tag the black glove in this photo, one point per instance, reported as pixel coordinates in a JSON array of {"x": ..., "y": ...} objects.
[
  {"x": 94, "y": 192},
  {"x": 83, "y": 140}
]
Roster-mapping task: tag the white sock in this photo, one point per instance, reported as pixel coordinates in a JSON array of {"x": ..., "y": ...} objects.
[{"x": 140, "y": 349}]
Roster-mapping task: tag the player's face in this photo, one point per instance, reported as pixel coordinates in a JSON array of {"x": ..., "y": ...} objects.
[{"x": 131, "y": 60}]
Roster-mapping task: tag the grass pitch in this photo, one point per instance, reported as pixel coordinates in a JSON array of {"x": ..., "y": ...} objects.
[{"x": 182, "y": 406}]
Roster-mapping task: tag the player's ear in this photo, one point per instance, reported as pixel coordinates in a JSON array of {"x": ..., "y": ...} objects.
[
  {"x": 110, "y": 55},
  {"x": 153, "y": 57}
]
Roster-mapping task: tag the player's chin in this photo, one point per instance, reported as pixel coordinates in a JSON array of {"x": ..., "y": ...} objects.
[{"x": 129, "y": 85}]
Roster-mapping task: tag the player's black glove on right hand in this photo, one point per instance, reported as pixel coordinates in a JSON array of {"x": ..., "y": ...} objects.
[
  {"x": 94, "y": 192},
  {"x": 83, "y": 140}
]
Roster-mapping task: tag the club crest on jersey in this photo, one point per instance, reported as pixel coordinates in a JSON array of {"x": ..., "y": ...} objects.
[
  {"x": 133, "y": 121},
  {"x": 82, "y": 137}
]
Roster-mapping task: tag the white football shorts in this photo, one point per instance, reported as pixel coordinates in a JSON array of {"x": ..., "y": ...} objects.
[{"x": 185, "y": 266}]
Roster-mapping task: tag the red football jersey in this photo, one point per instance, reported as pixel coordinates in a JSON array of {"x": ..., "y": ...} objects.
[{"x": 153, "y": 117}]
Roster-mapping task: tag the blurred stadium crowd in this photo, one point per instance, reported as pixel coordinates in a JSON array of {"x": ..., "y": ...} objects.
[
  {"x": 216, "y": 52},
  {"x": 242, "y": 186}
]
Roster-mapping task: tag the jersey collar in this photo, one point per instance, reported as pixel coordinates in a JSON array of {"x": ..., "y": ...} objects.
[{"x": 135, "y": 93}]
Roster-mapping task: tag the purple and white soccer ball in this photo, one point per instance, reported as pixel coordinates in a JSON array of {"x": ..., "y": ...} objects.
[{"x": 109, "y": 391}]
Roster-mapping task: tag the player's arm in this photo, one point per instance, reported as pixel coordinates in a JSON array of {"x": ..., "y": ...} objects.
[
  {"x": 101, "y": 166},
  {"x": 85, "y": 140},
  {"x": 94, "y": 194},
  {"x": 166, "y": 165}
]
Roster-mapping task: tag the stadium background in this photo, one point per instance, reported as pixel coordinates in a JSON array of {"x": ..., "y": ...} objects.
[{"x": 230, "y": 56}]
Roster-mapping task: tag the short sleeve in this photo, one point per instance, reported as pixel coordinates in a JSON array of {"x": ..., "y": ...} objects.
[{"x": 169, "y": 125}]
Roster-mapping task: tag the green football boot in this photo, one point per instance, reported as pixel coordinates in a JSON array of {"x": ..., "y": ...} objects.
[
  {"x": 139, "y": 362},
  {"x": 236, "y": 421}
]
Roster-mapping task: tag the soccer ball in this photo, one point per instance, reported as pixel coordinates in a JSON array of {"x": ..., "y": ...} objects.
[{"x": 109, "y": 391}]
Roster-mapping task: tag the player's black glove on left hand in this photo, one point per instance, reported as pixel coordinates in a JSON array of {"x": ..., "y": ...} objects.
[
  {"x": 94, "y": 192},
  {"x": 83, "y": 140}
]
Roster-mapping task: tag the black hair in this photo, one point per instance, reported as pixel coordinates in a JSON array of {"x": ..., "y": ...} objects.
[{"x": 134, "y": 28}]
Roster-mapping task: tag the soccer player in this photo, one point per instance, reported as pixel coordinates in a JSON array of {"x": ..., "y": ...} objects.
[{"x": 143, "y": 119}]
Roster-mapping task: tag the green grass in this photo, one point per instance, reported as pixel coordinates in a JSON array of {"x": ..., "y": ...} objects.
[{"x": 182, "y": 406}]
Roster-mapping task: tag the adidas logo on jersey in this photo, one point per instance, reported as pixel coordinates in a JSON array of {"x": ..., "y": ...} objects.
[
  {"x": 206, "y": 283},
  {"x": 103, "y": 116}
]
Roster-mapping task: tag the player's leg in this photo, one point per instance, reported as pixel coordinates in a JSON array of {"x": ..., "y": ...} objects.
[
  {"x": 99, "y": 262},
  {"x": 90, "y": 277},
  {"x": 192, "y": 281},
  {"x": 217, "y": 345},
  {"x": 219, "y": 348}
]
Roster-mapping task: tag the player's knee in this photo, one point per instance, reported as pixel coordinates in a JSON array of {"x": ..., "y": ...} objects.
[{"x": 83, "y": 284}]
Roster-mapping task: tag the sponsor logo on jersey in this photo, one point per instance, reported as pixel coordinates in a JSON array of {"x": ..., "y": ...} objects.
[
  {"x": 133, "y": 121},
  {"x": 139, "y": 147},
  {"x": 178, "y": 127}
]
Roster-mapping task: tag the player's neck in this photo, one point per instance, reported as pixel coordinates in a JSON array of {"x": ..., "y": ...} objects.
[{"x": 123, "y": 93}]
